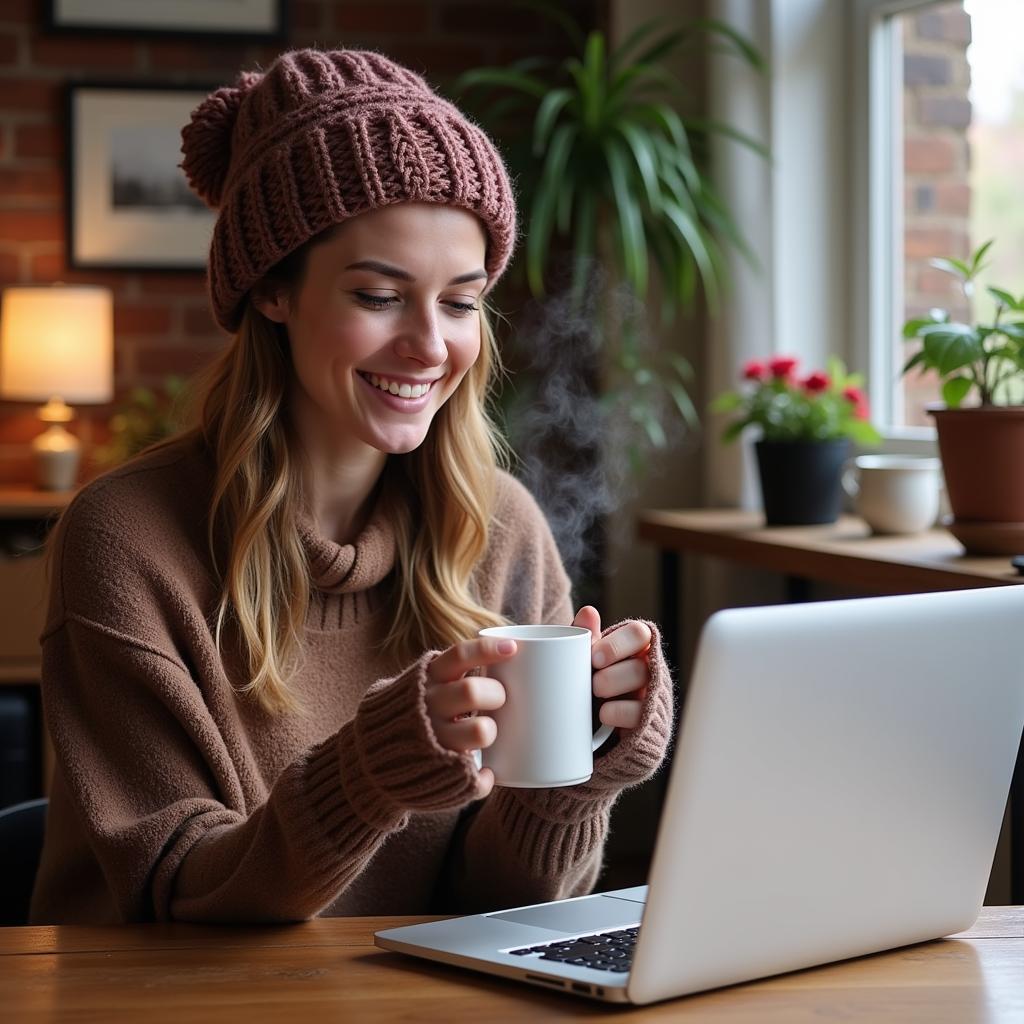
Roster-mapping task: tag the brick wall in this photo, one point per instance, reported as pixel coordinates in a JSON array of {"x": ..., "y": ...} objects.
[
  {"x": 936, "y": 114},
  {"x": 161, "y": 322}
]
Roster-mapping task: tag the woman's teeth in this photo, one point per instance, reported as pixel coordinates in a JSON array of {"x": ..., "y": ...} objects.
[{"x": 402, "y": 390}]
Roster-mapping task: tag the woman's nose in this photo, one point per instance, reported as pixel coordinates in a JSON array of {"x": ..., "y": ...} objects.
[{"x": 422, "y": 339}]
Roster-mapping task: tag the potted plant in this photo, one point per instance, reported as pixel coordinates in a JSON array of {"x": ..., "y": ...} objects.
[
  {"x": 981, "y": 426},
  {"x": 612, "y": 184},
  {"x": 806, "y": 424}
]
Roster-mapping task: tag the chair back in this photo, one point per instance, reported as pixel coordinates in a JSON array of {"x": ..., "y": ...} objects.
[{"x": 21, "y": 846}]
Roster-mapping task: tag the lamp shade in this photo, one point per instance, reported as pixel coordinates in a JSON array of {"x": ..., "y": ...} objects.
[{"x": 57, "y": 342}]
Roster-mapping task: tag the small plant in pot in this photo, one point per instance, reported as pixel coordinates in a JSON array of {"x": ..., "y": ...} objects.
[
  {"x": 981, "y": 426},
  {"x": 807, "y": 424}
]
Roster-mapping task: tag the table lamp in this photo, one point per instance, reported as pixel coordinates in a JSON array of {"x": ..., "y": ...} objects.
[{"x": 56, "y": 346}]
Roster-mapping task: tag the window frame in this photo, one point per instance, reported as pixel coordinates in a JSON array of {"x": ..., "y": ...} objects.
[{"x": 877, "y": 210}]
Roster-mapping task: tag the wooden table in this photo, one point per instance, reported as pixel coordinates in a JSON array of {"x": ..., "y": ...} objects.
[
  {"x": 845, "y": 554},
  {"x": 329, "y": 970}
]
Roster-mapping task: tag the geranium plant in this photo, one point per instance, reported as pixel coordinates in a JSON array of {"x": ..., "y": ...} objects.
[
  {"x": 787, "y": 406},
  {"x": 984, "y": 358}
]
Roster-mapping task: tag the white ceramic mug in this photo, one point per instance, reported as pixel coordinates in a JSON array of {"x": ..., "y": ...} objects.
[
  {"x": 895, "y": 493},
  {"x": 545, "y": 735}
]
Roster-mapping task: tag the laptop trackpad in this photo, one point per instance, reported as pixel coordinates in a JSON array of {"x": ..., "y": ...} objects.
[{"x": 592, "y": 913}]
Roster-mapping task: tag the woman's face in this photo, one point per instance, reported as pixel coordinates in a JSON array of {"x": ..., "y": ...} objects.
[{"x": 385, "y": 324}]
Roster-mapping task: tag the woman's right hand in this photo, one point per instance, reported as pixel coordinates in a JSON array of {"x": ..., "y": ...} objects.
[{"x": 455, "y": 700}]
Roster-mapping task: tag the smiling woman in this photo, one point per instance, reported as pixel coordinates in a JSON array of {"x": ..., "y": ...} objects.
[{"x": 259, "y": 633}]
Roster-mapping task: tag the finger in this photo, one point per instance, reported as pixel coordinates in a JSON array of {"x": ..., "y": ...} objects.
[
  {"x": 588, "y": 617},
  {"x": 466, "y": 734},
  {"x": 468, "y": 654},
  {"x": 623, "y": 677},
  {"x": 624, "y": 714},
  {"x": 464, "y": 696},
  {"x": 628, "y": 640},
  {"x": 484, "y": 782}
]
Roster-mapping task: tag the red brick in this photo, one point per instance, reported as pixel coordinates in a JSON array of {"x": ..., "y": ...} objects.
[
  {"x": 85, "y": 52},
  {"x": 157, "y": 362},
  {"x": 938, "y": 285},
  {"x": 20, "y": 12},
  {"x": 929, "y": 156},
  {"x": 493, "y": 19},
  {"x": 953, "y": 197},
  {"x": 17, "y": 468},
  {"x": 19, "y": 422},
  {"x": 434, "y": 59},
  {"x": 141, "y": 318},
  {"x": 220, "y": 61},
  {"x": 392, "y": 18},
  {"x": 38, "y": 140},
  {"x": 29, "y": 94},
  {"x": 46, "y": 267},
  {"x": 31, "y": 226},
  {"x": 307, "y": 15},
  {"x": 9, "y": 267},
  {"x": 199, "y": 323},
  {"x": 187, "y": 283},
  {"x": 9, "y": 45},
  {"x": 925, "y": 243},
  {"x": 37, "y": 183}
]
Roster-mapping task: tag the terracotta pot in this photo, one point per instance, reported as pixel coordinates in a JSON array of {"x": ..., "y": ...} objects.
[{"x": 982, "y": 452}]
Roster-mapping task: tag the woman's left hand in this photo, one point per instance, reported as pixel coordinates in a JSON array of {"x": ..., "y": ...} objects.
[{"x": 620, "y": 667}]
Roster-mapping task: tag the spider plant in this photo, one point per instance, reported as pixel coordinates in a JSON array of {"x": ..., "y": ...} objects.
[{"x": 613, "y": 170}]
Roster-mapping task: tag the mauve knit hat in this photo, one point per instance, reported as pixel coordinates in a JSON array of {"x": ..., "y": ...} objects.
[{"x": 322, "y": 136}]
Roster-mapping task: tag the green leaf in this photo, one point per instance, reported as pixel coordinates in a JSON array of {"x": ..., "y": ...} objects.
[
  {"x": 728, "y": 401},
  {"x": 503, "y": 78},
  {"x": 951, "y": 346},
  {"x": 916, "y": 359},
  {"x": 734, "y": 430},
  {"x": 1012, "y": 330},
  {"x": 743, "y": 46},
  {"x": 1003, "y": 297},
  {"x": 618, "y": 56},
  {"x": 978, "y": 255},
  {"x": 912, "y": 327},
  {"x": 584, "y": 239},
  {"x": 644, "y": 156},
  {"x": 863, "y": 432},
  {"x": 628, "y": 220},
  {"x": 711, "y": 127},
  {"x": 542, "y": 214},
  {"x": 547, "y": 113},
  {"x": 952, "y": 266},
  {"x": 955, "y": 390},
  {"x": 690, "y": 232}
]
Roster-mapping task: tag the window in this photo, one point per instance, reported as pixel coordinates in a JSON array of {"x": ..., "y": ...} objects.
[{"x": 945, "y": 135}]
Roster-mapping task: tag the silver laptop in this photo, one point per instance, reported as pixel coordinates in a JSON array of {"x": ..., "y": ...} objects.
[{"x": 838, "y": 785}]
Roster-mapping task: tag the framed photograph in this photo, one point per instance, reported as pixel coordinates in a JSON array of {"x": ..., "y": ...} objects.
[
  {"x": 249, "y": 19},
  {"x": 129, "y": 206}
]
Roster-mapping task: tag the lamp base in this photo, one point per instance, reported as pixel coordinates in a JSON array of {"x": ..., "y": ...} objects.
[{"x": 56, "y": 453}]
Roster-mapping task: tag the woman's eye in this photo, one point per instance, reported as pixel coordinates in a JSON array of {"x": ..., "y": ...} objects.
[
  {"x": 376, "y": 301},
  {"x": 463, "y": 308}
]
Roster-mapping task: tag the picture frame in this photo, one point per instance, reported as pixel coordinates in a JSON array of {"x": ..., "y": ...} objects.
[
  {"x": 237, "y": 19},
  {"x": 128, "y": 204}
]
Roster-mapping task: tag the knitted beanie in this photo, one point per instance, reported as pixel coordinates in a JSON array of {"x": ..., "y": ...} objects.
[{"x": 322, "y": 136}]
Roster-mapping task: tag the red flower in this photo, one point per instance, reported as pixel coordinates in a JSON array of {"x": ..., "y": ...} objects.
[
  {"x": 816, "y": 382},
  {"x": 782, "y": 366},
  {"x": 754, "y": 369},
  {"x": 859, "y": 400}
]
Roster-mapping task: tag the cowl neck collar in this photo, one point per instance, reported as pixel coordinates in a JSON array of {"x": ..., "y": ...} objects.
[{"x": 349, "y": 568}]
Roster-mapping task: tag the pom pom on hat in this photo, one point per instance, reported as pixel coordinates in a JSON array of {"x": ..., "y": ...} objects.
[
  {"x": 322, "y": 136},
  {"x": 206, "y": 139}
]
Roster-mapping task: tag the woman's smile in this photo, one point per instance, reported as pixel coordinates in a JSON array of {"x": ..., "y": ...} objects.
[{"x": 400, "y": 394}]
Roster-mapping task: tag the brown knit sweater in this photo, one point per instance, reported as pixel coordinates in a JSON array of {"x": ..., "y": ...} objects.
[{"x": 175, "y": 798}]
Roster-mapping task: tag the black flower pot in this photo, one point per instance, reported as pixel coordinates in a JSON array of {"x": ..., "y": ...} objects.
[{"x": 801, "y": 481}]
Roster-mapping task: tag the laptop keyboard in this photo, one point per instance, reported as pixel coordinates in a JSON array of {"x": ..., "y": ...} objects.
[{"x": 605, "y": 951}]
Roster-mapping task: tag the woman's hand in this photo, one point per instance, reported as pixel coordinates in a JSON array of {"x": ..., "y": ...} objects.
[
  {"x": 620, "y": 666},
  {"x": 455, "y": 701}
]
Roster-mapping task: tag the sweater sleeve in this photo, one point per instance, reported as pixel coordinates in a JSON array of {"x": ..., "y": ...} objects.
[
  {"x": 157, "y": 794},
  {"x": 522, "y": 846}
]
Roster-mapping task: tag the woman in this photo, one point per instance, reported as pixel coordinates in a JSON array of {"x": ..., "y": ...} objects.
[{"x": 256, "y": 654}]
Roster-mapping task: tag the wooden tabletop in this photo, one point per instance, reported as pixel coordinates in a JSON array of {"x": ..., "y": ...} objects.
[
  {"x": 844, "y": 552},
  {"x": 329, "y": 970}
]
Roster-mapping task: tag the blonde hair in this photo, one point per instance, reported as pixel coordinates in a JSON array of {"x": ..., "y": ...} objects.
[{"x": 439, "y": 498}]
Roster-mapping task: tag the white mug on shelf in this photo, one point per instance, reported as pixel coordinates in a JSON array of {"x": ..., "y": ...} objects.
[
  {"x": 545, "y": 733},
  {"x": 895, "y": 493}
]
